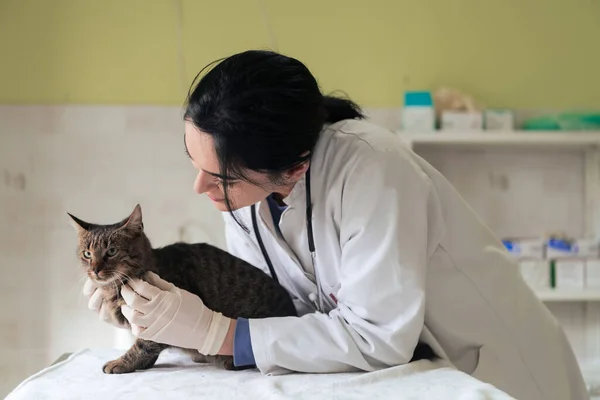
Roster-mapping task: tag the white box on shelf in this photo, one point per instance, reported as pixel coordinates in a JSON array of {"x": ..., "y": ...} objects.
[
  {"x": 536, "y": 273},
  {"x": 587, "y": 248},
  {"x": 528, "y": 248},
  {"x": 559, "y": 248},
  {"x": 570, "y": 273},
  {"x": 466, "y": 121},
  {"x": 418, "y": 119},
  {"x": 499, "y": 120},
  {"x": 592, "y": 273},
  {"x": 582, "y": 248}
]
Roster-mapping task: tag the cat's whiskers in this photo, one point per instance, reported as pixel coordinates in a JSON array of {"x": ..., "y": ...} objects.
[
  {"x": 122, "y": 275},
  {"x": 115, "y": 276},
  {"x": 114, "y": 283},
  {"x": 120, "y": 280},
  {"x": 120, "y": 284},
  {"x": 78, "y": 284}
]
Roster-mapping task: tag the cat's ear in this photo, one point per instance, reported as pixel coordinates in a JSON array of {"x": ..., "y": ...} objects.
[
  {"x": 134, "y": 223},
  {"x": 79, "y": 225}
]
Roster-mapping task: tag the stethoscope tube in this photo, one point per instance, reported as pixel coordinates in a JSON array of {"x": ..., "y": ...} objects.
[
  {"x": 309, "y": 229},
  {"x": 318, "y": 301},
  {"x": 262, "y": 246}
]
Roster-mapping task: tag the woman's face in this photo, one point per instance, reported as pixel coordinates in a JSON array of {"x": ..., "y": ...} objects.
[{"x": 209, "y": 181}]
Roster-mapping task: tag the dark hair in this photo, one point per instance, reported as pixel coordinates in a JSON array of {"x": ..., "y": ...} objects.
[{"x": 264, "y": 112}]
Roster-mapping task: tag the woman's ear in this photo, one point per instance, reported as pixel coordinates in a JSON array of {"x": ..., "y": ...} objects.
[{"x": 295, "y": 173}]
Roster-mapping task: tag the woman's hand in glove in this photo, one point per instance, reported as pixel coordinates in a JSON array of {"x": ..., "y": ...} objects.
[
  {"x": 161, "y": 312},
  {"x": 95, "y": 296}
]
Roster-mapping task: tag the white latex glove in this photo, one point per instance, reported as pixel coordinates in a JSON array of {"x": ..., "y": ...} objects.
[
  {"x": 95, "y": 296},
  {"x": 160, "y": 311}
]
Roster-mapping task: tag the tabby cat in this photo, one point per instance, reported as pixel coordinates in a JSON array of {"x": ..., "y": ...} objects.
[{"x": 114, "y": 254}]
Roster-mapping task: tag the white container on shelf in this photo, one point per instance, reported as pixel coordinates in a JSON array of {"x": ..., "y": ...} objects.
[
  {"x": 418, "y": 113},
  {"x": 418, "y": 119},
  {"x": 536, "y": 273},
  {"x": 463, "y": 121},
  {"x": 587, "y": 248},
  {"x": 570, "y": 273},
  {"x": 526, "y": 248},
  {"x": 499, "y": 120},
  {"x": 581, "y": 248},
  {"x": 559, "y": 248},
  {"x": 592, "y": 273}
]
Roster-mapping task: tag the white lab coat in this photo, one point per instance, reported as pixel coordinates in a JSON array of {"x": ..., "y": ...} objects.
[{"x": 407, "y": 259}]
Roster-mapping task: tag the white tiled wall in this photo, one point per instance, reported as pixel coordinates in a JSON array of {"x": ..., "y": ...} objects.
[
  {"x": 98, "y": 162},
  {"x": 517, "y": 193}
]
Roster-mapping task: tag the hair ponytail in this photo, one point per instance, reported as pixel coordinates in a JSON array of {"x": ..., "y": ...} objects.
[{"x": 338, "y": 109}]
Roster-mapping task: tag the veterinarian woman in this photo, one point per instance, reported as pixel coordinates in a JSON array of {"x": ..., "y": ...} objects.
[{"x": 376, "y": 247}]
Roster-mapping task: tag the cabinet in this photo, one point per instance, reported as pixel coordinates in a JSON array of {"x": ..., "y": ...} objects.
[{"x": 525, "y": 184}]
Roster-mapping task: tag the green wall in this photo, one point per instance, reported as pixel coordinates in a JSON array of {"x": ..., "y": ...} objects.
[{"x": 507, "y": 53}]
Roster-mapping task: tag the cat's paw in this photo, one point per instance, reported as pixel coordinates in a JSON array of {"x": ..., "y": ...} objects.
[
  {"x": 117, "y": 367},
  {"x": 202, "y": 359},
  {"x": 227, "y": 363}
]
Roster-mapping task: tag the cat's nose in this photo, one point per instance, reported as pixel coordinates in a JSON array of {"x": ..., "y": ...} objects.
[{"x": 96, "y": 268}]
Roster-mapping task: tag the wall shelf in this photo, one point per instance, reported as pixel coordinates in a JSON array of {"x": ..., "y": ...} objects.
[
  {"x": 522, "y": 184},
  {"x": 550, "y": 295},
  {"x": 562, "y": 139}
]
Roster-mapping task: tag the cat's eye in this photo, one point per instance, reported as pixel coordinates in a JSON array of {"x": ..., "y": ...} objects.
[
  {"x": 87, "y": 255},
  {"x": 111, "y": 252}
]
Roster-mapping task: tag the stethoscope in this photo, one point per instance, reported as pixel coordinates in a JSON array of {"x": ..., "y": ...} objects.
[{"x": 316, "y": 299}]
